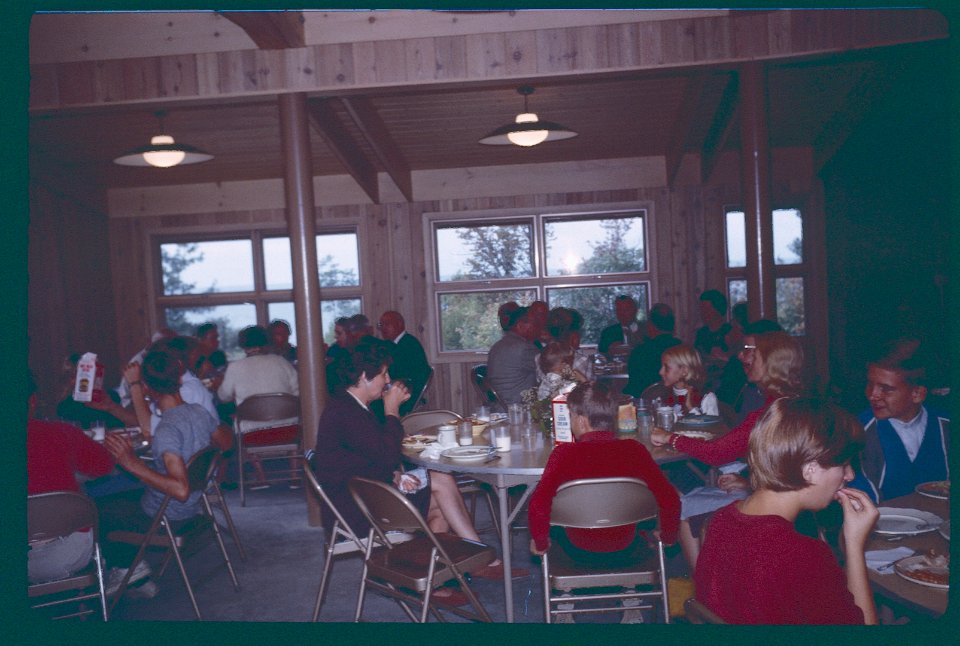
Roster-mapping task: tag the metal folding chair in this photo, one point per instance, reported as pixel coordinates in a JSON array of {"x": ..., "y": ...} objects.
[
  {"x": 200, "y": 471},
  {"x": 54, "y": 515},
  {"x": 214, "y": 495},
  {"x": 280, "y": 441},
  {"x": 592, "y": 504},
  {"x": 343, "y": 540},
  {"x": 409, "y": 572}
]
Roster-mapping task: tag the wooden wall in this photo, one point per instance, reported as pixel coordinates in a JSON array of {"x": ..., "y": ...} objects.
[{"x": 686, "y": 252}]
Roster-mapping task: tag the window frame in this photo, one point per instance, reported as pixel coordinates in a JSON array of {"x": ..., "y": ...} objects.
[
  {"x": 540, "y": 282},
  {"x": 260, "y": 296}
]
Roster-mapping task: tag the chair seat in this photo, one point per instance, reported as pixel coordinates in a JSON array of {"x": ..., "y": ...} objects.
[
  {"x": 405, "y": 565},
  {"x": 289, "y": 435}
]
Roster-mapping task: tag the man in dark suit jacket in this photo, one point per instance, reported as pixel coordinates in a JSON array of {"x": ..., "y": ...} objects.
[
  {"x": 643, "y": 365},
  {"x": 410, "y": 363},
  {"x": 626, "y": 332}
]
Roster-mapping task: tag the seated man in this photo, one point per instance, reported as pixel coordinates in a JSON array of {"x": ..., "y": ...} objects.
[
  {"x": 55, "y": 452},
  {"x": 906, "y": 442},
  {"x": 280, "y": 340},
  {"x": 626, "y": 333},
  {"x": 597, "y": 453},
  {"x": 511, "y": 362},
  {"x": 183, "y": 430},
  {"x": 410, "y": 363},
  {"x": 643, "y": 366}
]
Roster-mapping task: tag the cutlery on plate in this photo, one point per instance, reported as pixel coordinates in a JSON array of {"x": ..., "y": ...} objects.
[{"x": 491, "y": 458}]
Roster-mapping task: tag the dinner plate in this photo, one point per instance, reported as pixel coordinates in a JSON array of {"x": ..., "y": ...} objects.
[
  {"x": 939, "y": 489},
  {"x": 697, "y": 435},
  {"x": 945, "y": 530},
  {"x": 698, "y": 420},
  {"x": 920, "y": 569},
  {"x": 906, "y": 522},
  {"x": 468, "y": 453}
]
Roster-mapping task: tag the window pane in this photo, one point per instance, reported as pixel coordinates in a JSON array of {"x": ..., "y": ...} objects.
[
  {"x": 338, "y": 260},
  {"x": 594, "y": 246},
  {"x": 787, "y": 237},
  {"x": 331, "y": 310},
  {"x": 277, "y": 268},
  {"x": 736, "y": 291},
  {"x": 790, "y": 305},
  {"x": 736, "y": 239},
  {"x": 595, "y": 304},
  {"x": 230, "y": 319},
  {"x": 469, "y": 321},
  {"x": 204, "y": 267},
  {"x": 285, "y": 312},
  {"x": 489, "y": 251}
]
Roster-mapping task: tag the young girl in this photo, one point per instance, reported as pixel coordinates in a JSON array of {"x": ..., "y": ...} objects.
[
  {"x": 683, "y": 376},
  {"x": 556, "y": 362}
]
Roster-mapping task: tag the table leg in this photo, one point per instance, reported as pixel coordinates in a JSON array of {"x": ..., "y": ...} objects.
[{"x": 506, "y": 545}]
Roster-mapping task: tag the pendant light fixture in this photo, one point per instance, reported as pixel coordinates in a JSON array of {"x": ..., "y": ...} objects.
[
  {"x": 527, "y": 130},
  {"x": 162, "y": 152}
]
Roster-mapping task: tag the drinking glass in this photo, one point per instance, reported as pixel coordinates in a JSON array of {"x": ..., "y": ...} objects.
[
  {"x": 465, "y": 433},
  {"x": 501, "y": 437}
]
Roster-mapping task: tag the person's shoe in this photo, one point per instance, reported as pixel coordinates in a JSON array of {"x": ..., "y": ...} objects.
[
  {"x": 449, "y": 597},
  {"x": 142, "y": 571},
  {"x": 146, "y": 590},
  {"x": 495, "y": 572},
  {"x": 631, "y": 612}
]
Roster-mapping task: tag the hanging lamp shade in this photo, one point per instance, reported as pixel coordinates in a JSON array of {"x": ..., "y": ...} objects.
[
  {"x": 162, "y": 152},
  {"x": 527, "y": 130}
]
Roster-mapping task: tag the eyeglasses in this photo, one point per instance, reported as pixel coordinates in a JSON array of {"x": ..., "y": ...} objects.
[{"x": 379, "y": 325}]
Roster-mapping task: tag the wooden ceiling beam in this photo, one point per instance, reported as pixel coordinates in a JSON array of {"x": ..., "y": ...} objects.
[
  {"x": 270, "y": 29},
  {"x": 724, "y": 121},
  {"x": 324, "y": 119},
  {"x": 677, "y": 142},
  {"x": 375, "y": 131}
]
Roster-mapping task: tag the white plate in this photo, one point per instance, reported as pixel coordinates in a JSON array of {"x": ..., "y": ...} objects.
[
  {"x": 468, "y": 453},
  {"x": 698, "y": 420},
  {"x": 945, "y": 530},
  {"x": 934, "y": 489},
  {"x": 697, "y": 435},
  {"x": 906, "y": 522},
  {"x": 908, "y": 567}
]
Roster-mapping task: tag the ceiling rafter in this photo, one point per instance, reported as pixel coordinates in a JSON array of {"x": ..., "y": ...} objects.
[
  {"x": 724, "y": 121},
  {"x": 682, "y": 126},
  {"x": 375, "y": 131},
  {"x": 271, "y": 29},
  {"x": 324, "y": 119}
]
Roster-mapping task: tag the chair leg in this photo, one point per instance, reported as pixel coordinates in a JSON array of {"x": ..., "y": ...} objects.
[
  {"x": 183, "y": 570},
  {"x": 545, "y": 566},
  {"x": 426, "y": 593},
  {"x": 98, "y": 562},
  {"x": 494, "y": 516},
  {"x": 240, "y": 462},
  {"x": 663, "y": 584},
  {"x": 136, "y": 559},
  {"x": 327, "y": 567},
  {"x": 230, "y": 526},
  {"x": 223, "y": 547}
]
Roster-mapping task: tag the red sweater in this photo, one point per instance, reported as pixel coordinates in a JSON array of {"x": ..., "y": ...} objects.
[
  {"x": 759, "y": 570},
  {"x": 601, "y": 455},
  {"x": 727, "y": 448},
  {"x": 56, "y": 451}
]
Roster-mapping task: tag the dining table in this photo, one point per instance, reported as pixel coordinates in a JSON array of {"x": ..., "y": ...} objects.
[
  {"x": 890, "y": 584},
  {"x": 523, "y": 464}
]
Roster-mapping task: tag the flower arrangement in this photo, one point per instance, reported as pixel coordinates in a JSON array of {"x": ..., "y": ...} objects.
[{"x": 541, "y": 410}]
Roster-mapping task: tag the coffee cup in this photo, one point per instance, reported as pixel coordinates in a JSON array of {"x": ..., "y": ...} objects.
[{"x": 447, "y": 434}]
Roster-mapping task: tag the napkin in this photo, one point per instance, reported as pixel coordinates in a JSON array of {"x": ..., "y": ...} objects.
[
  {"x": 879, "y": 560},
  {"x": 432, "y": 452},
  {"x": 733, "y": 467}
]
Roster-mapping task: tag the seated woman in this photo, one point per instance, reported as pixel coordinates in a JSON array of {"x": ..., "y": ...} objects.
[
  {"x": 754, "y": 567},
  {"x": 556, "y": 363},
  {"x": 682, "y": 375},
  {"x": 597, "y": 453},
  {"x": 774, "y": 362},
  {"x": 351, "y": 441}
]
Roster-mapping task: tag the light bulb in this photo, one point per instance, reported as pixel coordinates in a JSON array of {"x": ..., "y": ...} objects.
[
  {"x": 163, "y": 158},
  {"x": 528, "y": 137}
]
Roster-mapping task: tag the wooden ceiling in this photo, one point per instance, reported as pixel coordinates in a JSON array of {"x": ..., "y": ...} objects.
[{"x": 814, "y": 102}]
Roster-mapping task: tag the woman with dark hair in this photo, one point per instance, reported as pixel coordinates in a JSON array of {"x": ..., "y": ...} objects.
[{"x": 755, "y": 568}]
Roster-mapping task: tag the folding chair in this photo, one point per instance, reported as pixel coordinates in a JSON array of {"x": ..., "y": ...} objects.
[
  {"x": 279, "y": 441},
  {"x": 55, "y": 515},
  {"x": 409, "y": 572},
  {"x": 343, "y": 540},
  {"x": 479, "y": 378},
  {"x": 417, "y": 398},
  {"x": 592, "y": 504},
  {"x": 697, "y": 613},
  {"x": 200, "y": 471},
  {"x": 214, "y": 495},
  {"x": 413, "y": 423}
]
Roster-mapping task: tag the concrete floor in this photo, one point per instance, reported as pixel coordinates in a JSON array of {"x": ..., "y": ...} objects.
[{"x": 280, "y": 577}]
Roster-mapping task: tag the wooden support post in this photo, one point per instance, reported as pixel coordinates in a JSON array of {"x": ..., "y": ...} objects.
[
  {"x": 755, "y": 191},
  {"x": 301, "y": 225}
]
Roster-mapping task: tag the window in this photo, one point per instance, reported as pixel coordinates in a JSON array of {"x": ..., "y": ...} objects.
[
  {"x": 248, "y": 280},
  {"x": 788, "y": 265},
  {"x": 582, "y": 261}
]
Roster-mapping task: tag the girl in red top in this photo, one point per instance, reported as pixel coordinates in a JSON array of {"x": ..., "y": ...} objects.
[{"x": 755, "y": 567}]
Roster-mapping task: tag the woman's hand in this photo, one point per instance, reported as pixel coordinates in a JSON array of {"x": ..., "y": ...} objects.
[
  {"x": 859, "y": 516},
  {"x": 659, "y": 437},
  {"x": 730, "y": 482},
  {"x": 392, "y": 398}
]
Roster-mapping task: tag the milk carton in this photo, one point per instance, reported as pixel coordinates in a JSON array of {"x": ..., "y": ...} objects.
[
  {"x": 89, "y": 382},
  {"x": 562, "y": 423}
]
